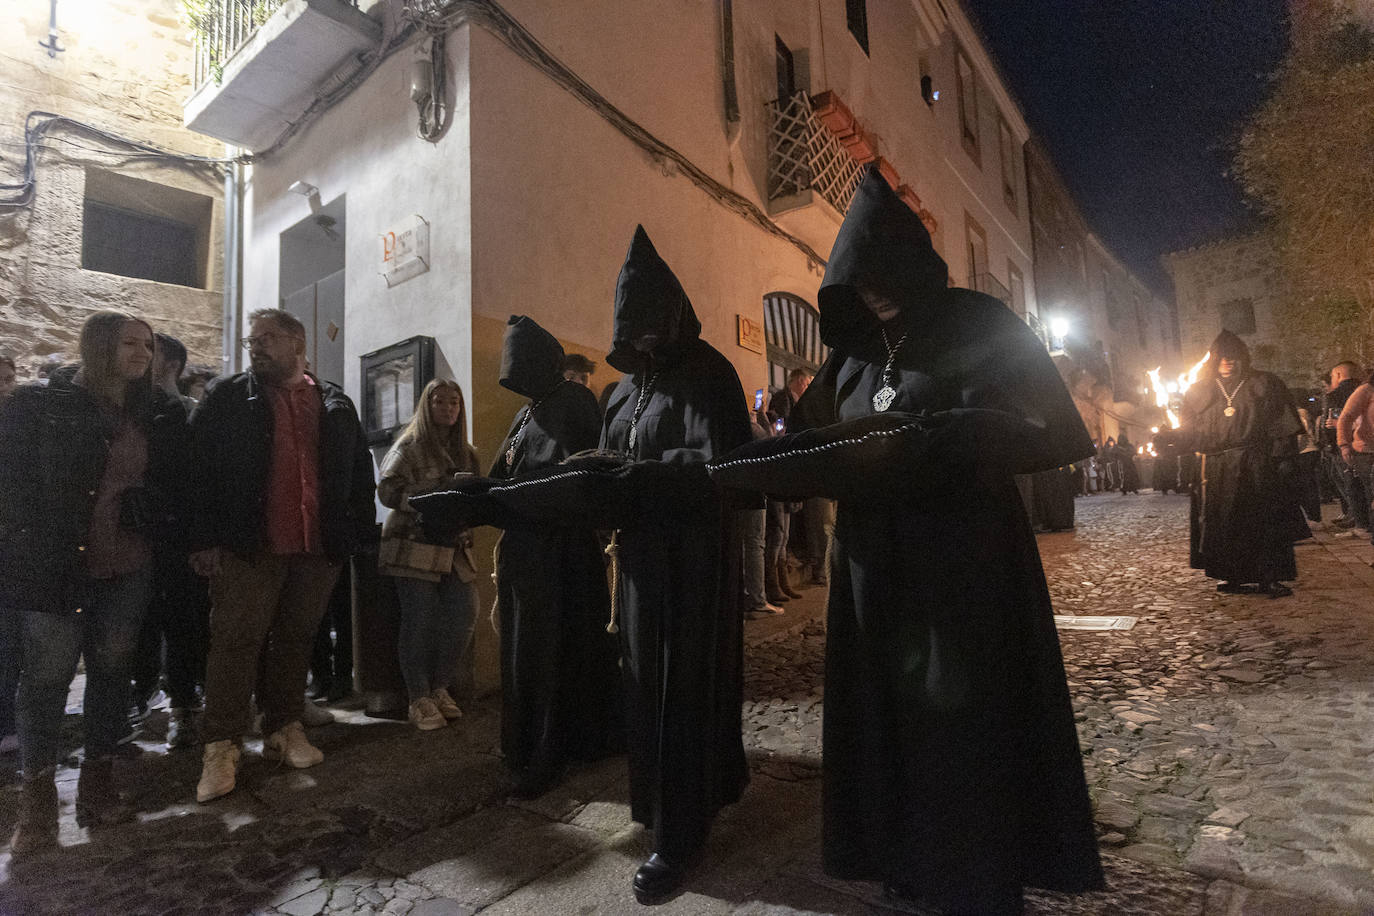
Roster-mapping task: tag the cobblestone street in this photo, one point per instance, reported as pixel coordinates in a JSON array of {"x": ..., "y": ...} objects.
[{"x": 1227, "y": 742}]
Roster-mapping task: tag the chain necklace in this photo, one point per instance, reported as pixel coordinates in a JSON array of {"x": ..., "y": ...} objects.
[
  {"x": 886, "y": 394},
  {"x": 525, "y": 421},
  {"x": 640, "y": 404},
  {"x": 1230, "y": 411}
]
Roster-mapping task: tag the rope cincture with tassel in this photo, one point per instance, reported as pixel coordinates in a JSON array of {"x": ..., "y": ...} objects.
[
  {"x": 613, "y": 551},
  {"x": 496, "y": 584}
]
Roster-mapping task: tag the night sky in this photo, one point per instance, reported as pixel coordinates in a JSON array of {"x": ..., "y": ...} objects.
[{"x": 1139, "y": 103}]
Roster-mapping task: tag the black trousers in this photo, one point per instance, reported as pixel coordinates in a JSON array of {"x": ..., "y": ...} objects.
[{"x": 178, "y": 618}]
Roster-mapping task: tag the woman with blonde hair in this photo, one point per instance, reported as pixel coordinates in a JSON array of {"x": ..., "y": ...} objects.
[
  {"x": 433, "y": 580},
  {"x": 88, "y": 465}
]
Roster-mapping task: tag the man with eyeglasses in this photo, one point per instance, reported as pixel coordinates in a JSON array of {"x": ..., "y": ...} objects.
[{"x": 283, "y": 495}]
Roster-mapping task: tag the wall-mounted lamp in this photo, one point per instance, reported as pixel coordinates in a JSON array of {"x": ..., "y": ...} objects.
[{"x": 309, "y": 192}]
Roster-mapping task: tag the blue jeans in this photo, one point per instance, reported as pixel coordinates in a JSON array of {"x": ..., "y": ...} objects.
[
  {"x": 105, "y": 631},
  {"x": 437, "y": 620},
  {"x": 752, "y": 523}
]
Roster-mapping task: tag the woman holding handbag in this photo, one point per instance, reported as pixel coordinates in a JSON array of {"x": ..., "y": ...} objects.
[{"x": 433, "y": 580}]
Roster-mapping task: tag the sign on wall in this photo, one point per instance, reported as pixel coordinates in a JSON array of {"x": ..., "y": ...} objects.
[
  {"x": 405, "y": 250},
  {"x": 751, "y": 336}
]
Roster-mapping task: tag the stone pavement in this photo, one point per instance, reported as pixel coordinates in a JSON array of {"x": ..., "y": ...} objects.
[{"x": 1227, "y": 742}]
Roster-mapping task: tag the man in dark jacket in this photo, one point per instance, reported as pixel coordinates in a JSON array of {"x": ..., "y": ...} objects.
[
  {"x": 1345, "y": 378},
  {"x": 283, "y": 495}
]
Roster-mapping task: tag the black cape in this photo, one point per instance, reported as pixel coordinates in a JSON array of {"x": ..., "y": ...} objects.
[
  {"x": 1245, "y": 516},
  {"x": 560, "y": 687},
  {"x": 951, "y": 760},
  {"x": 681, "y": 626}
]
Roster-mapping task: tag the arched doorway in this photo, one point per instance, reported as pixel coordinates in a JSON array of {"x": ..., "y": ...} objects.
[{"x": 792, "y": 327}]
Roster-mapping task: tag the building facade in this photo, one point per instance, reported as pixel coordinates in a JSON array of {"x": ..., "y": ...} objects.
[
  {"x": 88, "y": 222},
  {"x": 1234, "y": 285},
  {"x": 734, "y": 132},
  {"x": 1115, "y": 328}
]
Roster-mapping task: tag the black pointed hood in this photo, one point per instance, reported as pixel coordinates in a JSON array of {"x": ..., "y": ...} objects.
[
  {"x": 649, "y": 299},
  {"x": 531, "y": 358},
  {"x": 882, "y": 245}
]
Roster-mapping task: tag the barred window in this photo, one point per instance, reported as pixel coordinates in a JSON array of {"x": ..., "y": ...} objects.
[{"x": 792, "y": 327}]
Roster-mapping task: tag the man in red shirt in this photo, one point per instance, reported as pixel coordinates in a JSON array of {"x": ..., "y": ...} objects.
[{"x": 283, "y": 495}]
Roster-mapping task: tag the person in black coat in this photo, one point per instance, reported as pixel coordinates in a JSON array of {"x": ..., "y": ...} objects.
[
  {"x": 560, "y": 688},
  {"x": 951, "y": 767},
  {"x": 1130, "y": 474},
  {"x": 1245, "y": 516},
  {"x": 676, "y": 569},
  {"x": 89, "y": 469}
]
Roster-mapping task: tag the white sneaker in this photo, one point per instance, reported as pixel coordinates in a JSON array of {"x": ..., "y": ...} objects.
[
  {"x": 290, "y": 746},
  {"x": 426, "y": 715},
  {"x": 313, "y": 716},
  {"x": 217, "y": 771},
  {"x": 447, "y": 707}
]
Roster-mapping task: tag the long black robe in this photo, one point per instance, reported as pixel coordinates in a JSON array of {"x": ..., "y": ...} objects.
[
  {"x": 681, "y": 625},
  {"x": 560, "y": 687},
  {"x": 1244, "y": 516},
  {"x": 951, "y": 760}
]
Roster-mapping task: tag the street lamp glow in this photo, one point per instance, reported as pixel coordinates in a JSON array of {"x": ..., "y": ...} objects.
[{"x": 1059, "y": 326}]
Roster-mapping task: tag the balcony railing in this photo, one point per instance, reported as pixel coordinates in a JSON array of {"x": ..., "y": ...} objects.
[
  {"x": 987, "y": 283},
  {"x": 804, "y": 156},
  {"x": 222, "y": 27}
]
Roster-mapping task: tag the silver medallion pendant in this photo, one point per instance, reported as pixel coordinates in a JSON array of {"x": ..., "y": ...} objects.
[
  {"x": 884, "y": 398},
  {"x": 1230, "y": 411}
]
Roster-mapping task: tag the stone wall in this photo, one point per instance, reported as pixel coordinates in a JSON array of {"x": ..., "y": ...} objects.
[
  {"x": 126, "y": 69},
  {"x": 1210, "y": 276}
]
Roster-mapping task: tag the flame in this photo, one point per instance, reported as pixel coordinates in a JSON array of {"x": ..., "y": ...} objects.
[{"x": 1185, "y": 381}]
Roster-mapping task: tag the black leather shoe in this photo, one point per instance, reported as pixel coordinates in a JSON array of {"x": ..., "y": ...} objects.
[{"x": 656, "y": 879}]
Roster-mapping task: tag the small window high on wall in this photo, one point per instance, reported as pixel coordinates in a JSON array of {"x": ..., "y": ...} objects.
[
  {"x": 141, "y": 229},
  {"x": 967, "y": 87},
  {"x": 856, "y": 14}
]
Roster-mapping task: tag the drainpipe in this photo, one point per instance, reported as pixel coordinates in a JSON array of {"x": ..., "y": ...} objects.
[
  {"x": 727, "y": 69},
  {"x": 231, "y": 316}
]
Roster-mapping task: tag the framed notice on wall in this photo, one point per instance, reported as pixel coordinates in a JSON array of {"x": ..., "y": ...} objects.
[{"x": 393, "y": 378}]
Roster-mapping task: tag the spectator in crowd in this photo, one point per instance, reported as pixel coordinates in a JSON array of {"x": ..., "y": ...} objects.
[
  {"x": 283, "y": 496},
  {"x": 179, "y": 611},
  {"x": 1308, "y": 467},
  {"x": 194, "y": 379},
  {"x": 87, "y": 464},
  {"x": 561, "y": 700},
  {"x": 1125, "y": 461},
  {"x": 1109, "y": 465},
  {"x": 1345, "y": 378},
  {"x": 754, "y": 538},
  {"x": 9, "y": 623},
  {"x": 578, "y": 368},
  {"x": 1355, "y": 435},
  {"x": 434, "y": 580},
  {"x": 815, "y": 516},
  {"x": 9, "y": 377}
]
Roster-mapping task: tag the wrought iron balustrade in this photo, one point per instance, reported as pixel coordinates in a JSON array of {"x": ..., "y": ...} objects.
[
  {"x": 805, "y": 156},
  {"x": 222, "y": 27}
]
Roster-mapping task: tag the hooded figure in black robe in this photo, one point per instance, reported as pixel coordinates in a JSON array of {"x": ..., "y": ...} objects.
[
  {"x": 1244, "y": 514},
  {"x": 681, "y": 627},
  {"x": 560, "y": 687},
  {"x": 952, "y": 770}
]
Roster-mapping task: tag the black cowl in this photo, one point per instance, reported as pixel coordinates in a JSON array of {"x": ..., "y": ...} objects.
[
  {"x": 649, "y": 300},
  {"x": 531, "y": 358},
  {"x": 882, "y": 246}
]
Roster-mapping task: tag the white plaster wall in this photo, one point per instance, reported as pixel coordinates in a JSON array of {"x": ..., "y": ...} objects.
[
  {"x": 366, "y": 148},
  {"x": 555, "y": 202},
  {"x": 660, "y": 64}
]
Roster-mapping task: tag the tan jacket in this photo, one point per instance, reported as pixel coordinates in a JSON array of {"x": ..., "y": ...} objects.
[{"x": 407, "y": 470}]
